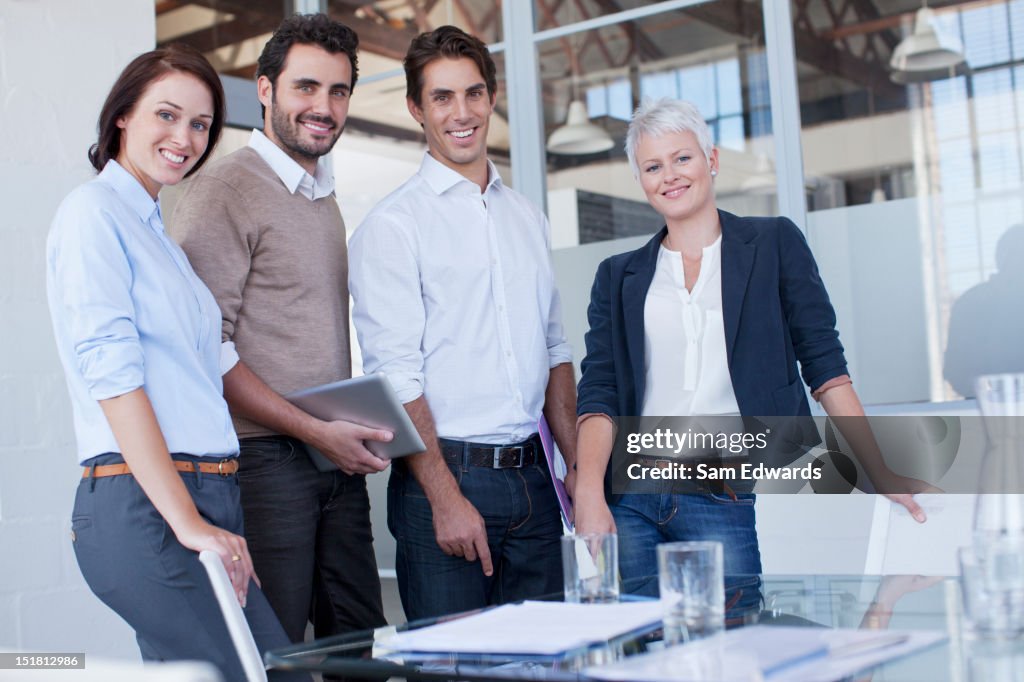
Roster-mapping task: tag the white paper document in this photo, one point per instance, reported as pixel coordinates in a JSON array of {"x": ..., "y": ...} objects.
[
  {"x": 776, "y": 653},
  {"x": 530, "y": 628},
  {"x": 928, "y": 548}
]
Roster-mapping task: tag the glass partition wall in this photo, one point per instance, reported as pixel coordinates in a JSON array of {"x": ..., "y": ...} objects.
[
  {"x": 683, "y": 54},
  {"x": 918, "y": 203},
  {"x": 907, "y": 181}
]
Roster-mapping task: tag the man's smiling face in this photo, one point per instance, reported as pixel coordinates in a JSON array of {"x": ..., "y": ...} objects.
[
  {"x": 309, "y": 103},
  {"x": 456, "y": 110}
]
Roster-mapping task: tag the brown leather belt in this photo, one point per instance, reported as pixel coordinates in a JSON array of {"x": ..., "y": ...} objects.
[
  {"x": 515, "y": 456},
  {"x": 224, "y": 467}
]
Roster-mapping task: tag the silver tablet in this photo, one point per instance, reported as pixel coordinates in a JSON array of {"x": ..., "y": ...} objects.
[{"x": 368, "y": 400}]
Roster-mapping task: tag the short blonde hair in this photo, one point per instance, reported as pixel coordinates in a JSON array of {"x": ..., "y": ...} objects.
[{"x": 655, "y": 118}]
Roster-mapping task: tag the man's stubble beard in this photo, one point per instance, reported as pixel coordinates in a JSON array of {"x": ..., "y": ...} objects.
[{"x": 288, "y": 135}]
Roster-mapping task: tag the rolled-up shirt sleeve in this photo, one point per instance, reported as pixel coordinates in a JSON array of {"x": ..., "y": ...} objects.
[
  {"x": 93, "y": 279},
  {"x": 809, "y": 313},
  {"x": 388, "y": 311},
  {"x": 559, "y": 350},
  {"x": 228, "y": 357}
]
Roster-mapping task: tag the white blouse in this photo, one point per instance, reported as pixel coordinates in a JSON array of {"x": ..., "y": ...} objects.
[{"x": 686, "y": 366}]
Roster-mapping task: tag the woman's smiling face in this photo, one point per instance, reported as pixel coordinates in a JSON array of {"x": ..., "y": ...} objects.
[
  {"x": 675, "y": 175},
  {"x": 167, "y": 131}
]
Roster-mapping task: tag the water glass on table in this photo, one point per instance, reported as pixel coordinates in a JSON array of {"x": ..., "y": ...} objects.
[
  {"x": 691, "y": 581},
  {"x": 992, "y": 581},
  {"x": 590, "y": 566}
]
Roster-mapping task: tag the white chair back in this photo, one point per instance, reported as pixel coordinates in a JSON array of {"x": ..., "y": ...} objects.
[{"x": 241, "y": 635}]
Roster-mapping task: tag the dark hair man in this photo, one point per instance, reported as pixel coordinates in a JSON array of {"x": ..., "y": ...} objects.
[
  {"x": 263, "y": 230},
  {"x": 455, "y": 300}
]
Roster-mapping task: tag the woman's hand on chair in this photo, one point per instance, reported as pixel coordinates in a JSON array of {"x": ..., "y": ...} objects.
[
  {"x": 901, "y": 490},
  {"x": 232, "y": 549}
]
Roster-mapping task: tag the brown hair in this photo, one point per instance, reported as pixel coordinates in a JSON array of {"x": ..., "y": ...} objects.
[
  {"x": 307, "y": 29},
  {"x": 450, "y": 42},
  {"x": 142, "y": 72}
]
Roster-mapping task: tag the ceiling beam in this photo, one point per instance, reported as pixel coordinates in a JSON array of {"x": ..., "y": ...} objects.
[
  {"x": 383, "y": 39},
  {"x": 256, "y": 17},
  {"x": 893, "y": 20},
  {"x": 164, "y": 6},
  {"x": 643, "y": 46},
  {"x": 242, "y": 27},
  {"x": 745, "y": 19},
  {"x": 867, "y": 10},
  {"x": 239, "y": 7}
]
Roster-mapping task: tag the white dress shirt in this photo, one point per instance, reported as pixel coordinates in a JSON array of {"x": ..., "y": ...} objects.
[
  {"x": 294, "y": 176},
  {"x": 128, "y": 311},
  {"x": 687, "y": 370},
  {"x": 455, "y": 300}
]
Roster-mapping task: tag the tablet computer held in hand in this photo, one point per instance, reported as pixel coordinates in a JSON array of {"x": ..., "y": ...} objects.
[{"x": 368, "y": 400}]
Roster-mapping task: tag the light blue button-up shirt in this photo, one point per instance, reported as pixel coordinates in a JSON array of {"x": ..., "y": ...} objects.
[{"x": 128, "y": 311}]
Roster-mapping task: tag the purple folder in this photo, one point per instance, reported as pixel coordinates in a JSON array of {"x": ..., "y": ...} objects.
[{"x": 550, "y": 449}]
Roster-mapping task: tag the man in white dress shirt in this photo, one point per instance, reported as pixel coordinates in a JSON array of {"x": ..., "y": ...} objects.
[{"x": 455, "y": 301}]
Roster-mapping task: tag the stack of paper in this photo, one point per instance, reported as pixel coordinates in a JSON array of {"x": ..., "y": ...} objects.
[
  {"x": 530, "y": 628},
  {"x": 777, "y": 653}
]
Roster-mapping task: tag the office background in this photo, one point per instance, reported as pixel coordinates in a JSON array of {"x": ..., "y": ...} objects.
[{"x": 908, "y": 193}]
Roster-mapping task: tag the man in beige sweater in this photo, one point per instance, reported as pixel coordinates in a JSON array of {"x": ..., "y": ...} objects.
[{"x": 263, "y": 230}]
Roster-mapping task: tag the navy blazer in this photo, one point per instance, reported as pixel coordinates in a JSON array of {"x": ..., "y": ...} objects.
[{"x": 775, "y": 310}]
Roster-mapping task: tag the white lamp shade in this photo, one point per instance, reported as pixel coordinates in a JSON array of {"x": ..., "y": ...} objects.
[
  {"x": 928, "y": 53},
  {"x": 579, "y": 135}
]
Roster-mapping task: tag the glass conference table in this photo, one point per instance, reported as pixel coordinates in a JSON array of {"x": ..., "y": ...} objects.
[{"x": 868, "y": 602}]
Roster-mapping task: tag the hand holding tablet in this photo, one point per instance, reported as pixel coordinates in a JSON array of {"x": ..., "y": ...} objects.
[{"x": 368, "y": 400}]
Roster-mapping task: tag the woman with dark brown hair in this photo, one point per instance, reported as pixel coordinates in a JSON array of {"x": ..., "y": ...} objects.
[{"x": 139, "y": 337}]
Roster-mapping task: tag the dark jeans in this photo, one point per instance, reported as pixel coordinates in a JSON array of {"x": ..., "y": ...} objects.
[
  {"x": 310, "y": 539},
  {"x": 132, "y": 561},
  {"x": 645, "y": 520},
  {"x": 523, "y": 523}
]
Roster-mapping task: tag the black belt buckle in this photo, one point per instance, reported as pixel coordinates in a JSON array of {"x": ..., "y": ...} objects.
[{"x": 509, "y": 457}]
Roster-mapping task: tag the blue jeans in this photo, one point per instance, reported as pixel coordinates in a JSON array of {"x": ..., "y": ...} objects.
[
  {"x": 310, "y": 539},
  {"x": 132, "y": 561},
  {"x": 524, "y": 528},
  {"x": 646, "y": 520}
]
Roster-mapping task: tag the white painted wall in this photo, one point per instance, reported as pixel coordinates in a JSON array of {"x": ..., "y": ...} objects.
[{"x": 57, "y": 60}]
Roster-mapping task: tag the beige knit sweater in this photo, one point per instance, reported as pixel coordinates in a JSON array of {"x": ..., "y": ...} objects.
[{"x": 277, "y": 264}]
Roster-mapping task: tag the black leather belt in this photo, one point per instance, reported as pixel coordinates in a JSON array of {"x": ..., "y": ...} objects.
[{"x": 514, "y": 456}]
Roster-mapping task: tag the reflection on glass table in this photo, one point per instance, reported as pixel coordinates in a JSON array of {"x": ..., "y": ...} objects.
[{"x": 864, "y": 602}]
